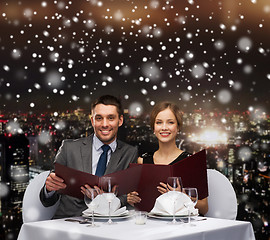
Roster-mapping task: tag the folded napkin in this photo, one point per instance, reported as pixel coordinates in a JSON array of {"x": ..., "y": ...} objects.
[
  {"x": 101, "y": 207},
  {"x": 164, "y": 204}
]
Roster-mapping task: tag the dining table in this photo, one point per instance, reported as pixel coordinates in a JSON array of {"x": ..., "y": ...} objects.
[{"x": 154, "y": 228}]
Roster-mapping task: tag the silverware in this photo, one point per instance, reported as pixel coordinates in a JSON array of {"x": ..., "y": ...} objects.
[
  {"x": 194, "y": 219},
  {"x": 200, "y": 219},
  {"x": 84, "y": 221}
]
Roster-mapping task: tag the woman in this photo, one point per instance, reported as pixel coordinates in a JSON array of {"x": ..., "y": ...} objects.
[{"x": 166, "y": 121}]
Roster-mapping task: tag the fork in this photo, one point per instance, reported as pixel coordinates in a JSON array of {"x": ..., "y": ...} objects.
[{"x": 84, "y": 221}]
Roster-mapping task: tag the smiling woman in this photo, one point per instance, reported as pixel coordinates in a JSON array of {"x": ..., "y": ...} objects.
[{"x": 166, "y": 122}]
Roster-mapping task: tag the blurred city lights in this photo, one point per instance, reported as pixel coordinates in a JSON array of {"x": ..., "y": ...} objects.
[{"x": 210, "y": 137}]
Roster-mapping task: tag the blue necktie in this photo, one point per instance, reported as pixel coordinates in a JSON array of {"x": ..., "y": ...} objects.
[{"x": 102, "y": 162}]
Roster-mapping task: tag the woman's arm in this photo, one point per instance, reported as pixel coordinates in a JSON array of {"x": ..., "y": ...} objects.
[{"x": 202, "y": 205}]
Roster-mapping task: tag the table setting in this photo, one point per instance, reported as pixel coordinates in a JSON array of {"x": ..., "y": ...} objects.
[
  {"x": 173, "y": 216},
  {"x": 174, "y": 206},
  {"x": 170, "y": 205},
  {"x": 99, "y": 207}
]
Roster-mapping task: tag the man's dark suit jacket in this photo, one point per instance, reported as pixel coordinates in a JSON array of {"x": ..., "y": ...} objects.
[{"x": 77, "y": 154}]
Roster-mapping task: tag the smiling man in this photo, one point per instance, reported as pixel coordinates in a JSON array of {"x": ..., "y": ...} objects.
[
  {"x": 84, "y": 154},
  {"x": 106, "y": 119}
]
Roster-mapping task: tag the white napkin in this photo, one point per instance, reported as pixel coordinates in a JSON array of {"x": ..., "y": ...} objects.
[
  {"x": 102, "y": 207},
  {"x": 164, "y": 204}
]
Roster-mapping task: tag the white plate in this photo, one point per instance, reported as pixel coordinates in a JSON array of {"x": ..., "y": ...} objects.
[
  {"x": 126, "y": 212},
  {"x": 121, "y": 216},
  {"x": 169, "y": 217}
]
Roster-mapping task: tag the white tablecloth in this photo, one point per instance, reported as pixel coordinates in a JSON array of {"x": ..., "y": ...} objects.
[{"x": 210, "y": 229}]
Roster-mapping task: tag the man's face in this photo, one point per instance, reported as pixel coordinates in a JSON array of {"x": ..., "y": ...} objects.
[{"x": 105, "y": 120}]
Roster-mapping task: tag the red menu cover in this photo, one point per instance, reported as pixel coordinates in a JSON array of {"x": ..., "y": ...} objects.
[
  {"x": 127, "y": 180},
  {"x": 192, "y": 171},
  {"x": 143, "y": 178}
]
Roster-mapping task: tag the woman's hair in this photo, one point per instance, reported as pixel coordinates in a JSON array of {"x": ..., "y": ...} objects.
[{"x": 162, "y": 106}]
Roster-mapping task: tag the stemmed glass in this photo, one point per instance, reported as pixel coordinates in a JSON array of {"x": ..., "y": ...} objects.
[
  {"x": 109, "y": 192},
  {"x": 174, "y": 184},
  {"x": 193, "y": 194},
  {"x": 89, "y": 196}
]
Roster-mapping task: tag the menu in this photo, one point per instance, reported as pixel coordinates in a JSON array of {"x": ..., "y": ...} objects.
[{"x": 143, "y": 178}]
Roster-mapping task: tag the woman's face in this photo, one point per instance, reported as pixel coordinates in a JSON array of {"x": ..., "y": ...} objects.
[{"x": 166, "y": 126}]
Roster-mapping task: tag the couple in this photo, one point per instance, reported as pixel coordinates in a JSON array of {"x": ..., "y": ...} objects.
[{"x": 85, "y": 154}]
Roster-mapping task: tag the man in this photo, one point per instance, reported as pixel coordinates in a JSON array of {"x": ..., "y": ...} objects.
[{"x": 83, "y": 154}]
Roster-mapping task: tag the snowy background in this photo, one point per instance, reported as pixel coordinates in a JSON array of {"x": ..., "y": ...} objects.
[
  {"x": 205, "y": 55},
  {"x": 59, "y": 55}
]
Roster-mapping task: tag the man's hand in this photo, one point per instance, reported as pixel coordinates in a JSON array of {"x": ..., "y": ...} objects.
[{"x": 54, "y": 183}]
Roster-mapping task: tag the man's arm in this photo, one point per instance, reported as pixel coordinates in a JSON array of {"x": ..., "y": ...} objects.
[
  {"x": 48, "y": 194},
  {"x": 48, "y": 201}
]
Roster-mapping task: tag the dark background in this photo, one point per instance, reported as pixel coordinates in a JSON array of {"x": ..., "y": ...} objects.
[{"x": 210, "y": 57}]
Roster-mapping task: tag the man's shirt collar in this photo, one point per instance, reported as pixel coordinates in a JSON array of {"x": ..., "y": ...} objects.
[{"x": 98, "y": 144}]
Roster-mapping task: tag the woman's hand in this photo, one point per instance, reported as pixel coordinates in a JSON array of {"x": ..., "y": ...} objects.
[
  {"x": 86, "y": 186},
  {"x": 163, "y": 188},
  {"x": 133, "y": 198}
]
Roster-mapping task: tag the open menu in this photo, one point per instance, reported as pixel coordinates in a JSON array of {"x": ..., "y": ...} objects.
[{"x": 143, "y": 178}]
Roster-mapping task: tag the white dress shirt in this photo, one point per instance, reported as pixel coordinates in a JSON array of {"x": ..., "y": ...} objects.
[{"x": 97, "y": 151}]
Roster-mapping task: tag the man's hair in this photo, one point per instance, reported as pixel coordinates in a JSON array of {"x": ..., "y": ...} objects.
[
  {"x": 108, "y": 100},
  {"x": 162, "y": 106}
]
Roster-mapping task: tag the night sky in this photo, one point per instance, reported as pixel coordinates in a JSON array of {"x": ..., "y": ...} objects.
[{"x": 60, "y": 55}]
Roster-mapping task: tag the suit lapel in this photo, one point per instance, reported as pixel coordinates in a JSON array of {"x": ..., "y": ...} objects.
[
  {"x": 86, "y": 152},
  {"x": 115, "y": 158}
]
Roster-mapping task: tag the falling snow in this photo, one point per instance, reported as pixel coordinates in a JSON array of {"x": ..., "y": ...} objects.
[
  {"x": 13, "y": 127},
  {"x": 44, "y": 137},
  {"x": 59, "y": 55},
  {"x": 245, "y": 153},
  {"x": 4, "y": 190}
]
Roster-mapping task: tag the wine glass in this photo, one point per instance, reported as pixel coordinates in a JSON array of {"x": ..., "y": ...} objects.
[
  {"x": 109, "y": 192},
  {"x": 89, "y": 196},
  {"x": 193, "y": 194},
  {"x": 174, "y": 185}
]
